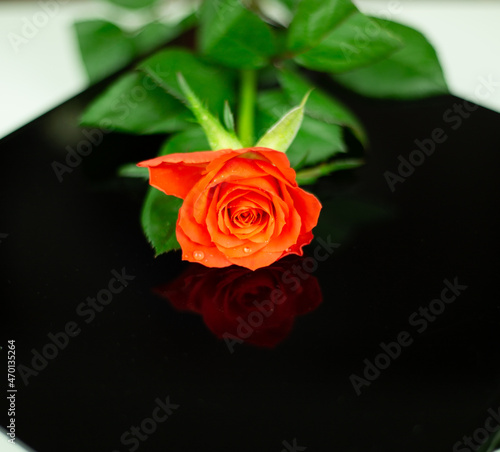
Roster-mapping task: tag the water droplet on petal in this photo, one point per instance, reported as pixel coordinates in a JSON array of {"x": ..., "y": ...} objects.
[
  {"x": 247, "y": 249},
  {"x": 198, "y": 255},
  {"x": 288, "y": 250}
]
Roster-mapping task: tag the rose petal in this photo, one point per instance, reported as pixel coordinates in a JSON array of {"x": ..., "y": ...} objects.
[
  {"x": 209, "y": 255},
  {"x": 246, "y": 249},
  {"x": 176, "y": 174},
  {"x": 308, "y": 207},
  {"x": 259, "y": 259},
  {"x": 289, "y": 234}
]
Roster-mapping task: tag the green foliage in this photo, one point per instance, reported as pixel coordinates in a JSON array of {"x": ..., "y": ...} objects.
[
  {"x": 234, "y": 36},
  {"x": 357, "y": 41},
  {"x": 273, "y": 69},
  {"x": 132, "y": 170},
  {"x": 104, "y": 47},
  {"x": 315, "y": 141},
  {"x": 228, "y": 117},
  {"x": 217, "y": 136},
  {"x": 135, "y": 104},
  {"x": 290, "y": 4},
  {"x": 315, "y": 20},
  {"x": 212, "y": 85},
  {"x": 159, "y": 219},
  {"x": 133, "y": 4},
  {"x": 311, "y": 175},
  {"x": 409, "y": 73},
  {"x": 190, "y": 140},
  {"x": 154, "y": 34},
  {"x": 492, "y": 444},
  {"x": 281, "y": 134},
  {"x": 320, "y": 105}
]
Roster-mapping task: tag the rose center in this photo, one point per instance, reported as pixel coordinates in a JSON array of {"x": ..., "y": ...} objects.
[{"x": 246, "y": 216}]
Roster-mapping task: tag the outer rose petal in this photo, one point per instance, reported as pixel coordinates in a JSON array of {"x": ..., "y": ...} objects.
[
  {"x": 260, "y": 259},
  {"x": 176, "y": 174},
  {"x": 307, "y": 206},
  {"x": 211, "y": 256}
]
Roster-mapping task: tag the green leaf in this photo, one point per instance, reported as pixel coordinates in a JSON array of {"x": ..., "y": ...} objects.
[
  {"x": 412, "y": 72},
  {"x": 290, "y": 4},
  {"x": 190, "y": 140},
  {"x": 154, "y": 34},
  {"x": 132, "y": 170},
  {"x": 311, "y": 175},
  {"x": 159, "y": 219},
  {"x": 104, "y": 48},
  {"x": 492, "y": 444},
  {"x": 281, "y": 135},
  {"x": 133, "y": 4},
  {"x": 228, "y": 117},
  {"x": 135, "y": 104},
  {"x": 212, "y": 85},
  {"x": 320, "y": 105},
  {"x": 234, "y": 36},
  {"x": 218, "y": 137},
  {"x": 316, "y": 19},
  {"x": 316, "y": 140},
  {"x": 357, "y": 41}
]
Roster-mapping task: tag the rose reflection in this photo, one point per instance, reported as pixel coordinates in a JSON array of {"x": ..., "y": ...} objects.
[{"x": 240, "y": 305}]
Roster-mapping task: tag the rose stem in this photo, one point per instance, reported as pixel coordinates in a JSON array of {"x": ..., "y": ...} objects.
[{"x": 246, "y": 111}]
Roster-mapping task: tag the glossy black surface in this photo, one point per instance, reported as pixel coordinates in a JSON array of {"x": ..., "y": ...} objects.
[{"x": 396, "y": 249}]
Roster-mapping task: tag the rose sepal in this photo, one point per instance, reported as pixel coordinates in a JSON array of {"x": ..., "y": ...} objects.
[
  {"x": 218, "y": 137},
  {"x": 281, "y": 135}
]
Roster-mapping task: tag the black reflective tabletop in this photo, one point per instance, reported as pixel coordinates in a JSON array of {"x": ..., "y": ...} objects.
[{"x": 383, "y": 338}]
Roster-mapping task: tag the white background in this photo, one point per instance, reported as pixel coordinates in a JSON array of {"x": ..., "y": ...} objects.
[{"x": 43, "y": 72}]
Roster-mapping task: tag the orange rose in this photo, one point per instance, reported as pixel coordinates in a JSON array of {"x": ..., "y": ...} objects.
[{"x": 240, "y": 207}]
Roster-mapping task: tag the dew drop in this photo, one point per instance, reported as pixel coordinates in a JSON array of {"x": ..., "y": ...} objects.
[
  {"x": 288, "y": 250},
  {"x": 198, "y": 255},
  {"x": 247, "y": 249}
]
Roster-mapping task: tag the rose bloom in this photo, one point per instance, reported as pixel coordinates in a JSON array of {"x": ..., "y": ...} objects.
[
  {"x": 239, "y": 305},
  {"x": 240, "y": 206}
]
